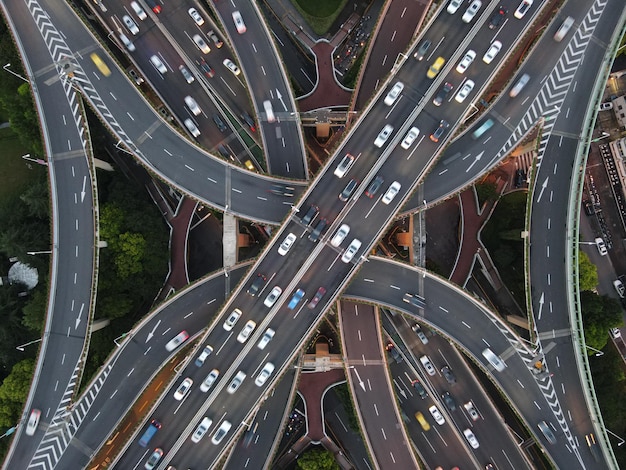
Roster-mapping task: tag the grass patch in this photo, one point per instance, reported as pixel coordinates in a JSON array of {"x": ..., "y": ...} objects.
[
  {"x": 14, "y": 171},
  {"x": 320, "y": 14}
]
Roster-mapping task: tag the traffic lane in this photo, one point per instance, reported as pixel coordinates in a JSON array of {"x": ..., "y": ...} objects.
[
  {"x": 134, "y": 365},
  {"x": 437, "y": 446},
  {"x": 299, "y": 62},
  {"x": 267, "y": 81},
  {"x": 254, "y": 449},
  {"x": 458, "y": 317},
  {"x": 186, "y": 166},
  {"x": 372, "y": 392},
  {"x": 235, "y": 407},
  {"x": 497, "y": 444}
]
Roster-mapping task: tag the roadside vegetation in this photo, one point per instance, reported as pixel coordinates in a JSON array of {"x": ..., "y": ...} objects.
[
  {"x": 320, "y": 14},
  {"x": 317, "y": 459}
]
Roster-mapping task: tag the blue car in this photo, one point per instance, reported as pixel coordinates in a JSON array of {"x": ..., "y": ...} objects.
[{"x": 295, "y": 300}]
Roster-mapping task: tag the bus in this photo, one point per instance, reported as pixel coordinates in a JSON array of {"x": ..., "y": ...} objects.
[
  {"x": 485, "y": 126},
  {"x": 100, "y": 64}
]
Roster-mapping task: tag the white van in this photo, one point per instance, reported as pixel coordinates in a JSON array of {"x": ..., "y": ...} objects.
[
  {"x": 565, "y": 27},
  {"x": 494, "y": 360},
  {"x": 269, "y": 112},
  {"x": 519, "y": 85}
]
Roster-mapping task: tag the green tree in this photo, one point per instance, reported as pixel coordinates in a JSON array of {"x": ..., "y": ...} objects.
[
  {"x": 317, "y": 459},
  {"x": 34, "y": 312},
  {"x": 600, "y": 314},
  {"x": 587, "y": 272},
  {"x": 13, "y": 392},
  {"x": 486, "y": 191}
]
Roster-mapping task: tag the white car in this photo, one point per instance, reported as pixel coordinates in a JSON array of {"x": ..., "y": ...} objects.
[
  {"x": 453, "y": 6},
  {"x": 177, "y": 340},
  {"x": 210, "y": 380},
  {"x": 33, "y": 421},
  {"x": 272, "y": 297},
  {"x": 246, "y": 331},
  {"x": 191, "y": 127},
  {"x": 236, "y": 382},
  {"x": 183, "y": 389},
  {"x": 193, "y": 105},
  {"x": 267, "y": 337},
  {"x": 437, "y": 415},
  {"x": 127, "y": 42},
  {"x": 351, "y": 251},
  {"x": 465, "y": 90},
  {"x": 201, "y": 430},
  {"x": 619, "y": 287},
  {"x": 393, "y": 94},
  {"x": 206, "y": 352},
  {"x": 410, "y": 138},
  {"x": 522, "y": 9},
  {"x": 230, "y": 65},
  {"x": 196, "y": 16},
  {"x": 383, "y": 135},
  {"x": 201, "y": 43},
  {"x": 471, "y": 11},
  {"x": 158, "y": 64},
  {"x": 492, "y": 52},
  {"x": 138, "y": 10},
  {"x": 340, "y": 235},
  {"x": 467, "y": 59},
  {"x": 130, "y": 24},
  {"x": 469, "y": 435},
  {"x": 264, "y": 374},
  {"x": 393, "y": 190},
  {"x": 232, "y": 319},
  {"x": 221, "y": 432},
  {"x": 601, "y": 246},
  {"x": 186, "y": 74},
  {"x": 239, "y": 24},
  {"x": 471, "y": 410},
  {"x": 615, "y": 333},
  {"x": 286, "y": 244},
  {"x": 428, "y": 366},
  {"x": 154, "y": 459}
]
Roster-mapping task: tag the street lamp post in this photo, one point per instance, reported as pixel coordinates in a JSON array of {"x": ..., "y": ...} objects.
[
  {"x": 46, "y": 252},
  {"x": 6, "y": 67},
  {"x": 621, "y": 441},
  {"x": 22, "y": 346},
  {"x": 603, "y": 136},
  {"x": 598, "y": 353}
]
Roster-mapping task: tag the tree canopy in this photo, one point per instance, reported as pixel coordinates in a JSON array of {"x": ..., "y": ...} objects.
[
  {"x": 317, "y": 459},
  {"x": 587, "y": 272},
  {"x": 600, "y": 314}
]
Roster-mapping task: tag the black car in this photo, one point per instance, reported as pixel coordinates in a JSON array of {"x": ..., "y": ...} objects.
[
  {"x": 391, "y": 349},
  {"x": 420, "y": 388},
  {"x": 448, "y": 374},
  {"x": 421, "y": 52},
  {"x": 348, "y": 190},
  {"x": 257, "y": 284},
  {"x": 317, "y": 231},
  {"x": 438, "y": 133},
  {"x": 375, "y": 186},
  {"x": 249, "y": 121},
  {"x": 219, "y": 123},
  {"x": 444, "y": 91},
  {"x": 449, "y": 401},
  {"x": 310, "y": 214},
  {"x": 498, "y": 17}
]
